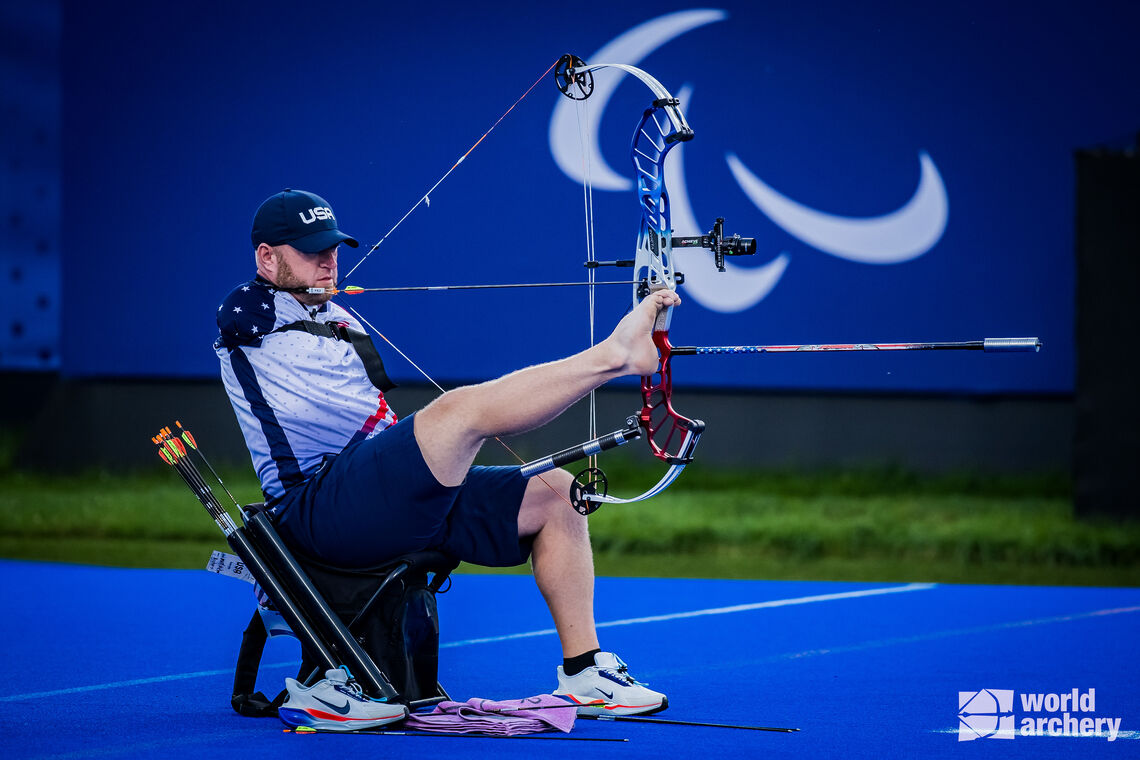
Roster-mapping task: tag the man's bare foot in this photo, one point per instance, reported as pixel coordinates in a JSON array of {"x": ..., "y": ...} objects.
[{"x": 632, "y": 339}]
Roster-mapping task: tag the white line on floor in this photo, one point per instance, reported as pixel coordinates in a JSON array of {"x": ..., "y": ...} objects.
[
  {"x": 507, "y": 637},
  {"x": 710, "y": 611}
]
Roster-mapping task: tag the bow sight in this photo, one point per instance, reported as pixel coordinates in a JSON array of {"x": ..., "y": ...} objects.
[{"x": 715, "y": 242}]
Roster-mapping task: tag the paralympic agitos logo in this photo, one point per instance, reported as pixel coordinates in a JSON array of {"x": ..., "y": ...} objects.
[{"x": 901, "y": 235}]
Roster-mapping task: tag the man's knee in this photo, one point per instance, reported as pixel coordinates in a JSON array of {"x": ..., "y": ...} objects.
[
  {"x": 455, "y": 414},
  {"x": 447, "y": 436},
  {"x": 546, "y": 502}
]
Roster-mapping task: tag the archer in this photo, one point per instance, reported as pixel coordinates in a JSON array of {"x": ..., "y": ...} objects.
[{"x": 350, "y": 485}]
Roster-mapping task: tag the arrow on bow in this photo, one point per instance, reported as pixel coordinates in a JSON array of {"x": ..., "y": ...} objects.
[{"x": 672, "y": 437}]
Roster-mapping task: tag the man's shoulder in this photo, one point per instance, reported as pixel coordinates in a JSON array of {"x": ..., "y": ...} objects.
[
  {"x": 247, "y": 314},
  {"x": 334, "y": 312}
]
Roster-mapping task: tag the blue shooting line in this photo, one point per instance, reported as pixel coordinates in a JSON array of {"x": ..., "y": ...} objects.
[{"x": 862, "y": 646}]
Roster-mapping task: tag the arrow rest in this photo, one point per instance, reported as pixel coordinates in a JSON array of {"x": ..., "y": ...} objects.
[{"x": 589, "y": 482}]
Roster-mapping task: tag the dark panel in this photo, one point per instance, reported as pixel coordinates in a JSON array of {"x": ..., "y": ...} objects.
[
  {"x": 785, "y": 431},
  {"x": 1108, "y": 320}
]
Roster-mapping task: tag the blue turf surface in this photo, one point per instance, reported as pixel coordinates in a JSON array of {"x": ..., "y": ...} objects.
[{"x": 117, "y": 663}]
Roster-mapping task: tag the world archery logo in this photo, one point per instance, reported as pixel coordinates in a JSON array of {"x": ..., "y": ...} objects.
[{"x": 985, "y": 714}]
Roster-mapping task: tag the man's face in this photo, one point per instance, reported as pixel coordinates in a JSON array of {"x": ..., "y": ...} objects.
[{"x": 286, "y": 267}]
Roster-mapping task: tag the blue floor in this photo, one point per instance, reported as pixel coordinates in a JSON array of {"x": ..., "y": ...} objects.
[{"x": 117, "y": 663}]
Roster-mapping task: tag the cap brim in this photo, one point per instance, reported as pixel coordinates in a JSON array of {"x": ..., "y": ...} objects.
[{"x": 322, "y": 241}]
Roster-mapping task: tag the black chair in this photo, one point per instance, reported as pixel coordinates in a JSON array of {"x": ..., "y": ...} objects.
[{"x": 344, "y": 617}]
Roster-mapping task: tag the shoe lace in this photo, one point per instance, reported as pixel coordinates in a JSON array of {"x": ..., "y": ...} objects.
[
  {"x": 621, "y": 675},
  {"x": 350, "y": 688}
]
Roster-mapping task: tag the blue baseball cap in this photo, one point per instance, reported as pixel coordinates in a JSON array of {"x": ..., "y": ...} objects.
[{"x": 303, "y": 220}]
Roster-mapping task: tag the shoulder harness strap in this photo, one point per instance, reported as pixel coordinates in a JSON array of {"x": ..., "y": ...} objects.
[{"x": 361, "y": 343}]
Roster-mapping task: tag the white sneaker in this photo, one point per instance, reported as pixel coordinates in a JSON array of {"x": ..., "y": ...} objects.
[
  {"x": 607, "y": 688},
  {"x": 335, "y": 704}
]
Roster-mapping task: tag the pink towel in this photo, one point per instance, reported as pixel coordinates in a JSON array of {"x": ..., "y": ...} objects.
[{"x": 511, "y": 717}]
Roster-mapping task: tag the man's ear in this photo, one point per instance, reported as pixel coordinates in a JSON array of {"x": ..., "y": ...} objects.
[{"x": 266, "y": 261}]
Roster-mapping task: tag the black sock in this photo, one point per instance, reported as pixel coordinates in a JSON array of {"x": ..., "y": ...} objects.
[{"x": 572, "y": 666}]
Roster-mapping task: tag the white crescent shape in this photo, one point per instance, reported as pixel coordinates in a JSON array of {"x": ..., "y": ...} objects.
[
  {"x": 628, "y": 48},
  {"x": 735, "y": 289},
  {"x": 899, "y": 236}
]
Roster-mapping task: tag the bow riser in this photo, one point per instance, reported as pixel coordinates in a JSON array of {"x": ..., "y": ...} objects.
[
  {"x": 663, "y": 425},
  {"x": 652, "y": 140}
]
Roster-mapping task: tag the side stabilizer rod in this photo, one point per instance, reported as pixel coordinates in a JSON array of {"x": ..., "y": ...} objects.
[{"x": 583, "y": 450}]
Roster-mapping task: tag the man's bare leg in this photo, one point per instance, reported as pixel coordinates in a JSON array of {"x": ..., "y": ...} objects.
[
  {"x": 451, "y": 429},
  {"x": 562, "y": 560}
]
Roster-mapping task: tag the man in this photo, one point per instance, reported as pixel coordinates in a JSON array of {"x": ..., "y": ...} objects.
[{"x": 351, "y": 486}]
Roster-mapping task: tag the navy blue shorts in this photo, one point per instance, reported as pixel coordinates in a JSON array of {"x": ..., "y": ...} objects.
[{"x": 377, "y": 499}]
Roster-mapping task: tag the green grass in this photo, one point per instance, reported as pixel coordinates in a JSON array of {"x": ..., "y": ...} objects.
[{"x": 871, "y": 526}]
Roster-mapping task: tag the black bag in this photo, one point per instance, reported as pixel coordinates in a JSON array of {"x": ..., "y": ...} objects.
[{"x": 390, "y": 610}]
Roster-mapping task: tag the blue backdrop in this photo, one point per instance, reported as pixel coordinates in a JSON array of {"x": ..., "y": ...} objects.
[{"x": 907, "y": 171}]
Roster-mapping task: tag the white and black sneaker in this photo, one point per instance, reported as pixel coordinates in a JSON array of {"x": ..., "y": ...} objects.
[
  {"x": 607, "y": 688},
  {"x": 335, "y": 704}
]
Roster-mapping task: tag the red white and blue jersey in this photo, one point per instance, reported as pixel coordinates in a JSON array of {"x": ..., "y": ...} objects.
[{"x": 297, "y": 396}]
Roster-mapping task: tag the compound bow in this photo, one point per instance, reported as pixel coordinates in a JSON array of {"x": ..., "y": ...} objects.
[{"x": 672, "y": 436}]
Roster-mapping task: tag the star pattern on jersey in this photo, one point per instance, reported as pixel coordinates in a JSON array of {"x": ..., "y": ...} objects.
[{"x": 246, "y": 315}]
